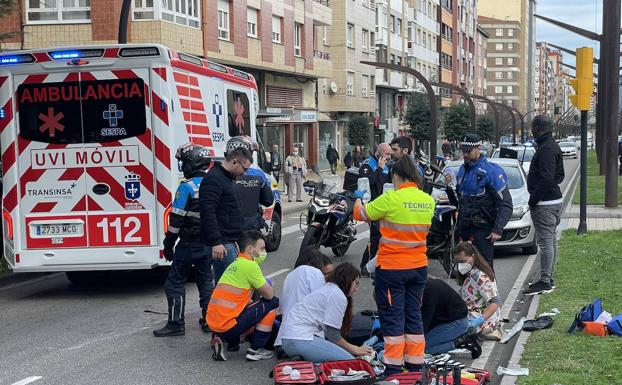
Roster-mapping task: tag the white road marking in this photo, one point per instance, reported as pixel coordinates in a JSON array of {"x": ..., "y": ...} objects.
[
  {"x": 278, "y": 272},
  {"x": 27, "y": 380},
  {"x": 290, "y": 229},
  {"x": 104, "y": 338},
  {"x": 361, "y": 236}
]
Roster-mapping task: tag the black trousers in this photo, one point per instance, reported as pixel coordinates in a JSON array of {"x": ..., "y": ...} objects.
[
  {"x": 372, "y": 246},
  {"x": 477, "y": 236},
  {"x": 188, "y": 256}
]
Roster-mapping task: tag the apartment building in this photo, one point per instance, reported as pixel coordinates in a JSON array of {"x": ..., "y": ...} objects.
[
  {"x": 481, "y": 67},
  {"x": 422, "y": 39},
  {"x": 464, "y": 22},
  {"x": 544, "y": 87},
  {"x": 446, "y": 48},
  {"x": 522, "y": 12},
  {"x": 391, "y": 47},
  {"x": 278, "y": 41},
  {"x": 351, "y": 90},
  {"x": 504, "y": 47}
]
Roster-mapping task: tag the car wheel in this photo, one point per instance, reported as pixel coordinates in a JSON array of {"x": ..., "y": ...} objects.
[{"x": 530, "y": 250}]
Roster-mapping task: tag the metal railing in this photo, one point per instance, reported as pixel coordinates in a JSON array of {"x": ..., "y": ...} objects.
[
  {"x": 321, "y": 55},
  {"x": 323, "y": 2}
]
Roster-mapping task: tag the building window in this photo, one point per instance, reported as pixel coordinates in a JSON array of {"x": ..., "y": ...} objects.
[
  {"x": 510, "y": 61},
  {"x": 510, "y": 46},
  {"x": 53, "y": 11},
  {"x": 223, "y": 19},
  {"x": 509, "y": 90},
  {"x": 350, "y": 35},
  {"x": 499, "y": 32},
  {"x": 350, "y": 84},
  {"x": 251, "y": 22},
  {"x": 185, "y": 12},
  {"x": 510, "y": 32},
  {"x": 393, "y": 26},
  {"x": 498, "y": 89},
  {"x": 424, "y": 43},
  {"x": 298, "y": 39},
  {"x": 499, "y": 46},
  {"x": 276, "y": 29},
  {"x": 498, "y": 75},
  {"x": 510, "y": 75},
  {"x": 364, "y": 40},
  {"x": 372, "y": 43},
  {"x": 498, "y": 61},
  {"x": 143, "y": 10},
  {"x": 364, "y": 85},
  {"x": 399, "y": 26},
  {"x": 372, "y": 86}
]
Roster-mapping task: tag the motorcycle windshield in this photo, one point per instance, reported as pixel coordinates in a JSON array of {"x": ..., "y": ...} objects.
[{"x": 332, "y": 185}]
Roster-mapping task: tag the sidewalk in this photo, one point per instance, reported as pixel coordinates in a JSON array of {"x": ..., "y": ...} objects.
[{"x": 599, "y": 218}]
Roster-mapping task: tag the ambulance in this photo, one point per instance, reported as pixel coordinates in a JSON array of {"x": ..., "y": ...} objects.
[{"x": 88, "y": 138}]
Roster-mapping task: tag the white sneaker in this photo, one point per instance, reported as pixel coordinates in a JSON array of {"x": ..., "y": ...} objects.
[{"x": 258, "y": 355}]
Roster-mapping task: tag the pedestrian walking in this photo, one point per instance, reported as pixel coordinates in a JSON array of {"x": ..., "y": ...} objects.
[
  {"x": 446, "y": 148},
  {"x": 296, "y": 165},
  {"x": 347, "y": 160},
  {"x": 332, "y": 156},
  {"x": 190, "y": 254},
  {"x": 546, "y": 172},
  {"x": 222, "y": 222},
  {"x": 375, "y": 169},
  {"x": 485, "y": 203},
  {"x": 275, "y": 162},
  {"x": 404, "y": 215}
]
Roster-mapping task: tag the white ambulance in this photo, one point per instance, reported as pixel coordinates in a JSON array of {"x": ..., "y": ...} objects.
[{"x": 88, "y": 140}]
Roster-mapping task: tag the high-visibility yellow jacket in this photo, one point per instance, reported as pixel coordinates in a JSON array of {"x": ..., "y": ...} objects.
[{"x": 405, "y": 216}]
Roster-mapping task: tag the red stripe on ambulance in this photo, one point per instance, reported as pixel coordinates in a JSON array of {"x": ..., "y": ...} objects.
[
  {"x": 8, "y": 115},
  {"x": 124, "y": 74},
  {"x": 31, "y": 175},
  {"x": 8, "y": 158},
  {"x": 43, "y": 207},
  {"x": 161, "y": 72},
  {"x": 80, "y": 206},
  {"x": 3, "y": 79},
  {"x": 164, "y": 195},
  {"x": 93, "y": 206},
  {"x": 35, "y": 78},
  {"x": 160, "y": 109},
  {"x": 10, "y": 200},
  {"x": 72, "y": 174},
  {"x": 162, "y": 152},
  {"x": 116, "y": 189}
]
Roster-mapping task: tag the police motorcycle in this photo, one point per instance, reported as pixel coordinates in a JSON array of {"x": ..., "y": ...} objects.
[
  {"x": 329, "y": 220},
  {"x": 440, "y": 239}
]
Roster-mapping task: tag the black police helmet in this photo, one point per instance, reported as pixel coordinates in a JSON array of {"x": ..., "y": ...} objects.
[{"x": 194, "y": 158}]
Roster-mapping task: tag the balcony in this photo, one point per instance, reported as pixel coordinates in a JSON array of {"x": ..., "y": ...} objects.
[
  {"x": 428, "y": 23},
  {"x": 397, "y": 42},
  {"x": 321, "y": 55},
  {"x": 322, "y": 14}
]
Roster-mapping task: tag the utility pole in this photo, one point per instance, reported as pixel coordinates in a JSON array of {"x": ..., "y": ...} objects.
[{"x": 583, "y": 85}]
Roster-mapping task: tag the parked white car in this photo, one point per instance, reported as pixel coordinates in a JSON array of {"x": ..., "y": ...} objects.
[
  {"x": 519, "y": 232},
  {"x": 569, "y": 149},
  {"x": 524, "y": 155}
]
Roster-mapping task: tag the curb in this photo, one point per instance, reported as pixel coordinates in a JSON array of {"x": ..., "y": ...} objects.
[{"x": 523, "y": 337}]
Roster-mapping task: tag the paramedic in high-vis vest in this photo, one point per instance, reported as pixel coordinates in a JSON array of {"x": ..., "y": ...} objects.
[
  {"x": 405, "y": 215},
  {"x": 184, "y": 224}
]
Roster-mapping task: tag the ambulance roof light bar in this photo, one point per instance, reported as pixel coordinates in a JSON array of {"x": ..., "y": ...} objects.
[
  {"x": 76, "y": 54},
  {"x": 17, "y": 59},
  {"x": 139, "y": 51}
]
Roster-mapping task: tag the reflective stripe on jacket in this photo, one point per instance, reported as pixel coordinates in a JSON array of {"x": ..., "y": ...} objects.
[{"x": 405, "y": 216}]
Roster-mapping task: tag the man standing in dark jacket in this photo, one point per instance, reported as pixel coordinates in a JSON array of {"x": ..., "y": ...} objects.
[
  {"x": 222, "y": 221},
  {"x": 545, "y": 202},
  {"x": 376, "y": 170}
]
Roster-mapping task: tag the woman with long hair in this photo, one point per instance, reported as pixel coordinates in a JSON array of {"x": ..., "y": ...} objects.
[
  {"x": 404, "y": 216},
  {"x": 478, "y": 290},
  {"x": 316, "y": 327}
]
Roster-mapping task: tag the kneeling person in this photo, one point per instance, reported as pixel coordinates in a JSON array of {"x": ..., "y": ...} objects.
[{"x": 229, "y": 314}]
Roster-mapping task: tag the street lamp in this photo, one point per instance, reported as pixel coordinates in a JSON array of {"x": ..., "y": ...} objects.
[{"x": 522, "y": 123}]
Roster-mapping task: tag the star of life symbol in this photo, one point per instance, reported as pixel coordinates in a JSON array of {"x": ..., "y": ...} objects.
[
  {"x": 217, "y": 110},
  {"x": 113, "y": 115},
  {"x": 132, "y": 186},
  {"x": 51, "y": 122},
  {"x": 239, "y": 115}
]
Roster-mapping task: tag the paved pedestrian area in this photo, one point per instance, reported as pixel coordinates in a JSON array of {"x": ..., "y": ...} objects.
[{"x": 598, "y": 218}]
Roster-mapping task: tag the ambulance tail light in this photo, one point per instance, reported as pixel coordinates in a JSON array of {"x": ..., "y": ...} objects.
[
  {"x": 167, "y": 213},
  {"x": 17, "y": 59},
  {"x": 76, "y": 54},
  {"x": 139, "y": 51},
  {"x": 8, "y": 224}
]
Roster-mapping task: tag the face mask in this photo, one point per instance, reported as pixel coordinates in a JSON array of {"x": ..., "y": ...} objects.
[
  {"x": 261, "y": 257},
  {"x": 464, "y": 268},
  {"x": 295, "y": 152}
]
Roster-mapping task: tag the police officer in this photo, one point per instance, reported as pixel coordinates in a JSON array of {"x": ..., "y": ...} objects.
[
  {"x": 184, "y": 224},
  {"x": 375, "y": 168},
  {"x": 485, "y": 203},
  {"x": 253, "y": 188}
]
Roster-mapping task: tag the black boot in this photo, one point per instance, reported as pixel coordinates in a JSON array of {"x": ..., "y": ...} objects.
[
  {"x": 175, "y": 325},
  {"x": 167, "y": 331},
  {"x": 203, "y": 322},
  {"x": 469, "y": 341}
]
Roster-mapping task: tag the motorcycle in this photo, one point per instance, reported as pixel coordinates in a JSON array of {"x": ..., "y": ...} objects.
[{"x": 329, "y": 219}]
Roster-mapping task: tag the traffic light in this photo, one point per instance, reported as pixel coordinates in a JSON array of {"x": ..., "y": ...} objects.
[{"x": 583, "y": 83}]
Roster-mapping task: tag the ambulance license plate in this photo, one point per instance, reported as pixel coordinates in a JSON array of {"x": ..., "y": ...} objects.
[{"x": 59, "y": 229}]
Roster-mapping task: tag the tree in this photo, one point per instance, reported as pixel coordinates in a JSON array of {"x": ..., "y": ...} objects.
[
  {"x": 358, "y": 130},
  {"x": 456, "y": 122},
  {"x": 486, "y": 127},
  {"x": 418, "y": 116},
  {"x": 6, "y": 8}
]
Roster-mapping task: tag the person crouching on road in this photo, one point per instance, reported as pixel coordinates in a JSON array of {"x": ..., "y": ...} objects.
[
  {"x": 479, "y": 291},
  {"x": 229, "y": 313},
  {"x": 316, "y": 327},
  {"x": 184, "y": 224},
  {"x": 405, "y": 215}
]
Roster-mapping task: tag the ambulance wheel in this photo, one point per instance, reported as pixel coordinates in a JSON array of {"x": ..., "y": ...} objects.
[{"x": 274, "y": 235}]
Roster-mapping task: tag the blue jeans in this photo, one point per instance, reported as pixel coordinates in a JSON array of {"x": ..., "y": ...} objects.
[
  {"x": 316, "y": 351},
  {"x": 250, "y": 317},
  {"x": 221, "y": 265},
  {"x": 441, "y": 338}
]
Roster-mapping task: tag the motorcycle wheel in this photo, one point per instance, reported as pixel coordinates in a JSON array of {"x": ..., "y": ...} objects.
[
  {"x": 274, "y": 235},
  {"x": 310, "y": 238},
  {"x": 341, "y": 250}
]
